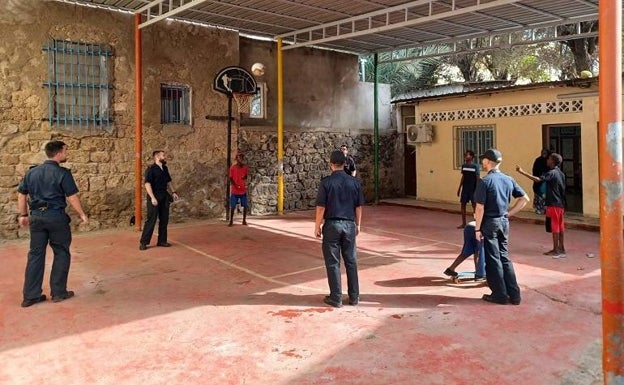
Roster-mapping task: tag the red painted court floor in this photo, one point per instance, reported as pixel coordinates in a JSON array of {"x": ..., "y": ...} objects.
[{"x": 243, "y": 305}]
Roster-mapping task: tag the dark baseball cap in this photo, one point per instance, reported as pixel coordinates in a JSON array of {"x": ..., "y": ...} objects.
[
  {"x": 337, "y": 157},
  {"x": 492, "y": 154}
]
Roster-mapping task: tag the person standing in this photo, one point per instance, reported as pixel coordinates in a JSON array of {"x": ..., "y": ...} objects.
[
  {"x": 157, "y": 184},
  {"x": 349, "y": 166},
  {"x": 49, "y": 187},
  {"x": 540, "y": 166},
  {"x": 338, "y": 219},
  {"x": 467, "y": 184},
  {"x": 493, "y": 195},
  {"x": 238, "y": 187},
  {"x": 555, "y": 181}
]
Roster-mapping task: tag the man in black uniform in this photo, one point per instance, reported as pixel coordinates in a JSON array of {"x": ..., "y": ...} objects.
[
  {"x": 493, "y": 195},
  {"x": 339, "y": 210},
  {"x": 349, "y": 165},
  {"x": 49, "y": 187},
  {"x": 157, "y": 181}
]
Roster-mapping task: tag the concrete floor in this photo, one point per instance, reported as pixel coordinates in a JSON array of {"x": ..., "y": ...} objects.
[{"x": 243, "y": 305}]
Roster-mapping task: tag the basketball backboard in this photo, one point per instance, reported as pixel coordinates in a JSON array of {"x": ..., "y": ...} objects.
[{"x": 234, "y": 80}]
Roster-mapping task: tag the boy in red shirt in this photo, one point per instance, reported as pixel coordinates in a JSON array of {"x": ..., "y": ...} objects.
[{"x": 238, "y": 187}]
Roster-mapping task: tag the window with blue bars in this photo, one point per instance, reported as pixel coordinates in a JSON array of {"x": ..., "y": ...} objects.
[
  {"x": 473, "y": 138},
  {"x": 175, "y": 104},
  {"x": 79, "y": 84}
]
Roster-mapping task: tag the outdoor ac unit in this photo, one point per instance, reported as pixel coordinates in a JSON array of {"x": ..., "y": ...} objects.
[{"x": 420, "y": 133}]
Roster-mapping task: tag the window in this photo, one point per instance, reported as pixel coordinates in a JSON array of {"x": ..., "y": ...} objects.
[
  {"x": 79, "y": 84},
  {"x": 175, "y": 104},
  {"x": 257, "y": 104},
  {"x": 474, "y": 138}
]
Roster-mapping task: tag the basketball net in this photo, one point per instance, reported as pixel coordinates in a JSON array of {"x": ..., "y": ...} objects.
[{"x": 243, "y": 101}]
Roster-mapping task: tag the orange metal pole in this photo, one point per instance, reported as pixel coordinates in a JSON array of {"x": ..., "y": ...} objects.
[
  {"x": 610, "y": 174},
  {"x": 138, "y": 123}
]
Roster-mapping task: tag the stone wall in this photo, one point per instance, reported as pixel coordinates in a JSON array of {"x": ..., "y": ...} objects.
[
  {"x": 306, "y": 161},
  {"x": 103, "y": 160}
]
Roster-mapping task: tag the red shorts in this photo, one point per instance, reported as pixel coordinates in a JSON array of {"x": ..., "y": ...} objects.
[{"x": 556, "y": 218}]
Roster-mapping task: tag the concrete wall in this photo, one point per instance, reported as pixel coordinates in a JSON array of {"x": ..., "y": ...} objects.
[
  {"x": 519, "y": 138},
  {"x": 102, "y": 161}
]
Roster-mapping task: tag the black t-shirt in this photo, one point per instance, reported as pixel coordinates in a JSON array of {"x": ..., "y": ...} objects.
[
  {"x": 555, "y": 187},
  {"x": 157, "y": 178}
]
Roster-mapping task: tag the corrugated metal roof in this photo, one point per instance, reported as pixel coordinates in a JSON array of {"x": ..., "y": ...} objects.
[{"x": 366, "y": 26}]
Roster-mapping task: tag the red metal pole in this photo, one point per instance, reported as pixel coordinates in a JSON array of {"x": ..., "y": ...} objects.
[
  {"x": 610, "y": 174},
  {"x": 138, "y": 123}
]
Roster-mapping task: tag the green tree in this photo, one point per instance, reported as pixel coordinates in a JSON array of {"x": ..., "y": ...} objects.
[{"x": 403, "y": 76}]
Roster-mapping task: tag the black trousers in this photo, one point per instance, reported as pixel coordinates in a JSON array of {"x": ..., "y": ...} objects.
[
  {"x": 500, "y": 274},
  {"x": 339, "y": 238},
  {"x": 160, "y": 212},
  {"x": 51, "y": 226}
]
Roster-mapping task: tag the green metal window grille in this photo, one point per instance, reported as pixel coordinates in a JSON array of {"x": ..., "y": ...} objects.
[
  {"x": 474, "y": 138},
  {"x": 79, "y": 84},
  {"x": 175, "y": 104}
]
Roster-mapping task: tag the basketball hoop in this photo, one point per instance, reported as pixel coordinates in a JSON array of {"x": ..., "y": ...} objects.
[{"x": 243, "y": 101}]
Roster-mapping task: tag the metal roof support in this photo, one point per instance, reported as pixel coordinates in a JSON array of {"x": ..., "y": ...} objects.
[
  {"x": 138, "y": 123},
  {"x": 390, "y": 24},
  {"x": 610, "y": 191},
  {"x": 173, "y": 9},
  {"x": 542, "y": 34}
]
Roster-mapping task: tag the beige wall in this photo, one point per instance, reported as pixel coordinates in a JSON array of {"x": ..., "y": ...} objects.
[{"x": 519, "y": 138}]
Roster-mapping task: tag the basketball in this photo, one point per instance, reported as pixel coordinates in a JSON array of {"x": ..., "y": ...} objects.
[{"x": 257, "y": 69}]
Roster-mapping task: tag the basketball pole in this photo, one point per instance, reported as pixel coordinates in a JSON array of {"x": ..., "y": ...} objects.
[
  {"x": 138, "y": 123},
  {"x": 228, "y": 161}
]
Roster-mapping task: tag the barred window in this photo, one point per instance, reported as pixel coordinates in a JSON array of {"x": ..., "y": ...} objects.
[
  {"x": 473, "y": 138},
  {"x": 175, "y": 104},
  {"x": 79, "y": 84}
]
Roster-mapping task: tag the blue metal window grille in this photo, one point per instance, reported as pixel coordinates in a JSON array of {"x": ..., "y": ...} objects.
[
  {"x": 474, "y": 138},
  {"x": 175, "y": 104},
  {"x": 79, "y": 84}
]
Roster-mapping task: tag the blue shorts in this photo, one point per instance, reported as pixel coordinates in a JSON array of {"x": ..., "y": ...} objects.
[
  {"x": 467, "y": 196},
  {"x": 234, "y": 198}
]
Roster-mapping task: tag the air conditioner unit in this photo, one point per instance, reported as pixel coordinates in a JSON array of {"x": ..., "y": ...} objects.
[{"x": 420, "y": 133}]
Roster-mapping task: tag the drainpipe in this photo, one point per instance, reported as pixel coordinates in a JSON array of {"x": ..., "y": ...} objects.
[
  {"x": 138, "y": 123},
  {"x": 376, "y": 126},
  {"x": 610, "y": 188}
]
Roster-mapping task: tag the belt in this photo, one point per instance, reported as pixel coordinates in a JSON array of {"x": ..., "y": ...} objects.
[
  {"x": 340, "y": 219},
  {"x": 43, "y": 210},
  {"x": 496, "y": 217}
]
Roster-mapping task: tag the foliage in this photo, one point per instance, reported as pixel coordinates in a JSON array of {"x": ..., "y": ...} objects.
[{"x": 403, "y": 76}]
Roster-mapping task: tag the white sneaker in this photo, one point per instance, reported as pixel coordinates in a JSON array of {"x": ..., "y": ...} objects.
[{"x": 558, "y": 256}]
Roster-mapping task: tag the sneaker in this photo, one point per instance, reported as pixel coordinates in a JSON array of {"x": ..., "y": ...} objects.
[
  {"x": 166, "y": 244},
  {"x": 450, "y": 273},
  {"x": 63, "y": 297},
  {"x": 331, "y": 302},
  {"x": 560, "y": 255},
  {"x": 32, "y": 301},
  {"x": 354, "y": 301},
  {"x": 479, "y": 279},
  {"x": 142, "y": 246}
]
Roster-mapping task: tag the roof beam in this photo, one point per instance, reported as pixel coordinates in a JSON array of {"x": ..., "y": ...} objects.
[
  {"x": 323, "y": 29},
  {"x": 173, "y": 10}
]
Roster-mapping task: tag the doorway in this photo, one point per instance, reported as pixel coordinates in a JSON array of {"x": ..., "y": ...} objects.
[
  {"x": 409, "y": 157},
  {"x": 565, "y": 139}
]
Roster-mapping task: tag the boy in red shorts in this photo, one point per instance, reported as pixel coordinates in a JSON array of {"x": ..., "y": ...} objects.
[{"x": 555, "y": 201}]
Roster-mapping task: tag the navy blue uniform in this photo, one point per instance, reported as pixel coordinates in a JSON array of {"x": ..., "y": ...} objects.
[
  {"x": 47, "y": 186},
  {"x": 158, "y": 178},
  {"x": 494, "y": 193},
  {"x": 340, "y": 194}
]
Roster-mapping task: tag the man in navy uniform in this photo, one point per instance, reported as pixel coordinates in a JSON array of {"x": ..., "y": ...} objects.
[
  {"x": 339, "y": 210},
  {"x": 493, "y": 195},
  {"x": 49, "y": 187}
]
